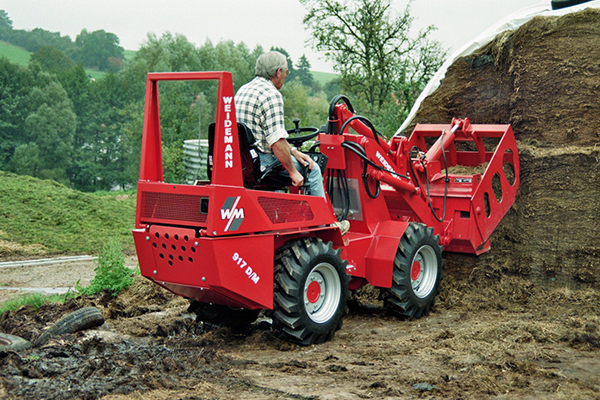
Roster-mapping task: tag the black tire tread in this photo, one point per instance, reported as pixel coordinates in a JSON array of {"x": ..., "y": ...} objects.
[
  {"x": 84, "y": 318},
  {"x": 16, "y": 343},
  {"x": 291, "y": 265},
  {"x": 398, "y": 299}
]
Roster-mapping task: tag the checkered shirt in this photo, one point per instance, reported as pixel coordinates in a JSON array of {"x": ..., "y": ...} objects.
[{"x": 259, "y": 105}]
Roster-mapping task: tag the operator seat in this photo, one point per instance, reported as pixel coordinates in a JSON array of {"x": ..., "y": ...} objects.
[{"x": 273, "y": 178}]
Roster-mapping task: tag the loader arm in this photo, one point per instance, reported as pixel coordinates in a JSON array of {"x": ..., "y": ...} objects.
[{"x": 458, "y": 178}]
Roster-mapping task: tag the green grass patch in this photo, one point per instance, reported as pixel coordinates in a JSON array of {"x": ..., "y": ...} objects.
[
  {"x": 35, "y": 300},
  {"x": 95, "y": 74},
  {"x": 14, "y": 54},
  {"x": 323, "y": 78},
  {"x": 42, "y": 217},
  {"x": 129, "y": 54},
  {"x": 18, "y": 55}
]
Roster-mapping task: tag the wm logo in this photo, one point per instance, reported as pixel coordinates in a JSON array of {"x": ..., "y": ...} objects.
[{"x": 232, "y": 214}]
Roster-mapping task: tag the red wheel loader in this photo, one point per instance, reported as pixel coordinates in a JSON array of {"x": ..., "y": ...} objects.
[{"x": 246, "y": 240}]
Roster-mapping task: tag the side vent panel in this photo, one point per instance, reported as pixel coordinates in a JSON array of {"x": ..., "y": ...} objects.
[{"x": 173, "y": 207}]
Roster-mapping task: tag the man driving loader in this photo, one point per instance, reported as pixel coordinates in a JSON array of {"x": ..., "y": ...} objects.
[{"x": 259, "y": 105}]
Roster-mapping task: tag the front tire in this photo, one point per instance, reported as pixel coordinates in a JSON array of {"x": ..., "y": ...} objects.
[
  {"x": 417, "y": 273},
  {"x": 311, "y": 291}
]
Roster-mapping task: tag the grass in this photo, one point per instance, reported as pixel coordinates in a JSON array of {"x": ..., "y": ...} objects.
[
  {"x": 20, "y": 56},
  {"x": 322, "y": 78},
  {"x": 42, "y": 217},
  {"x": 97, "y": 75},
  {"x": 129, "y": 54},
  {"x": 14, "y": 54},
  {"x": 36, "y": 300}
]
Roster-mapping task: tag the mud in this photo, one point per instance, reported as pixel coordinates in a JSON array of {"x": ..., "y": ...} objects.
[
  {"x": 520, "y": 322},
  {"x": 507, "y": 339}
]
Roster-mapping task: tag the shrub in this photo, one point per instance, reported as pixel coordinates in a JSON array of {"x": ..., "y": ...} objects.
[{"x": 111, "y": 272}]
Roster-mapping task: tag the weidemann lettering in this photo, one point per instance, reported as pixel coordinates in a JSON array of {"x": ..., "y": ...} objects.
[{"x": 228, "y": 138}]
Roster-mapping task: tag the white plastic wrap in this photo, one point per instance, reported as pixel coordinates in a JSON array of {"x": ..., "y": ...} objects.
[{"x": 511, "y": 22}]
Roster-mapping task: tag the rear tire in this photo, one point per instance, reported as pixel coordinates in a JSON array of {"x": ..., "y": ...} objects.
[
  {"x": 417, "y": 273},
  {"x": 311, "y": 291}
]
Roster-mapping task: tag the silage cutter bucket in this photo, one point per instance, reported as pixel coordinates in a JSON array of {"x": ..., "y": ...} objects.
[{"x": 453, "y": 166}]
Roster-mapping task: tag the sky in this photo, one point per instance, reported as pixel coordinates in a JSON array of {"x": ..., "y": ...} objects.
[{"x": 258, "y": 22}]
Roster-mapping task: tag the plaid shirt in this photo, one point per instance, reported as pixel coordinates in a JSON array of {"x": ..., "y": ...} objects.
[{"x": 259, "y": 105}]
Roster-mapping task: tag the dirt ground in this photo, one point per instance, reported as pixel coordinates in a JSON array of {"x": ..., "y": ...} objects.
[
  {"x": 519, "y": 322},
  {"x": 506, "y": 339}
]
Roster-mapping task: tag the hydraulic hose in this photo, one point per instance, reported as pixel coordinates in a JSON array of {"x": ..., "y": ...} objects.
[
  {"x": 332, "y": 127},
  {"x": 360, "y": 151},
  {"x": 366, "y": 122},
  {"x": 446, "y": 180}
]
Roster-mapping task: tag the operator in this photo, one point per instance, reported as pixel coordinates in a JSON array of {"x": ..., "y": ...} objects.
[{"x": 259, "y": 105}]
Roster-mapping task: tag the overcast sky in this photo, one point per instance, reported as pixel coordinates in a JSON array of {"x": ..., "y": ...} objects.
[{"x": 257, "y": 22}]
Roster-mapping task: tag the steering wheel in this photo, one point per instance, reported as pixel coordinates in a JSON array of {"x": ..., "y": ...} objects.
[{"x": 298, "y": 140}]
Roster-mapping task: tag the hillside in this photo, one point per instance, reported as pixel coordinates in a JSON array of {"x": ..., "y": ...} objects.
[
  {"x": 20, "y": 56},
  {"x": 14, "y": 54},
  {"x": 42, "y": 218}
]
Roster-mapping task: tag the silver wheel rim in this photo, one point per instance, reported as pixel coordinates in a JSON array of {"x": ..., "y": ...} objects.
[
  {"x": 322, "y": 292},
  {"x": 423, "y": 271}
]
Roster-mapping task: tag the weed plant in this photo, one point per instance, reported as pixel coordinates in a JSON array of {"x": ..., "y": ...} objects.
[{"x": 111, "y": 272}]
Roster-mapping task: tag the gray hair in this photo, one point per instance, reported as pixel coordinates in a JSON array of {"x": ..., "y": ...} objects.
[{"x": 268, "y": 64}]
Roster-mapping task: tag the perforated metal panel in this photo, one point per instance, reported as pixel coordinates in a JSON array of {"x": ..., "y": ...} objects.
[{"x": 173, "y": 248}]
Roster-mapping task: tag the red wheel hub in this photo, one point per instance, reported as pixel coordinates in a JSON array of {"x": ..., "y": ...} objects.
[
  {"x": 415, "y": 271},
  {"x": 313, "y": 293}
]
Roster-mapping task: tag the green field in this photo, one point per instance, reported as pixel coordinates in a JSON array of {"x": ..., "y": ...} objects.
[
  {"x": 323, "y": 78},
  {"x": 20, "y": 56},
  {"x": 129, "y": 54},
  {"x": 14, "y": 54}
]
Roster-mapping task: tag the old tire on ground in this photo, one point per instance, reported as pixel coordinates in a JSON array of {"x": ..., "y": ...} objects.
[
  {"x": 417, "y": 273},
  {"x": 311, "y": 291},
  {"x": 13, "y": 343},
  {"x": 235, "y": 318},
  {"x": 83, "y": 318}
]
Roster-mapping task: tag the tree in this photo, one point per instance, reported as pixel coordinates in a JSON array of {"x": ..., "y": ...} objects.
[
  {"x": 15, "y": 84},
  {"x": 26, "y": 160},
  {"x": 303, "y": 73},
  {"x": 6, "y": 25},
  {"x": 51, "y": 125},
  {"x": 97, "y": 49},
  {"x": 35, "y": 39},
  {"x": 370, "y": 47},
  {"x": 310, "y": 110},
  {"x": 52, "y": 59}
]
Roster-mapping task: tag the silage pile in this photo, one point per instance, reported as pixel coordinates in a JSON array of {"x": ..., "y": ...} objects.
[{"x": 544, "y": 79}]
